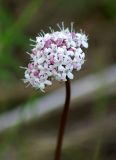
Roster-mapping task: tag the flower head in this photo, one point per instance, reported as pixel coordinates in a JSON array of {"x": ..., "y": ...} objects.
[{"x": 54, "y": 57}]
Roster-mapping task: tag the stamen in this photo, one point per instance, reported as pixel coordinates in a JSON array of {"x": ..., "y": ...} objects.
[
  {"x": 63, "y": 25},
  {"x": 39, "y": 34},
  {"x": 28, "y": 53},
  {"x": 59, "y": 26},
  {"x": 72, "y": 23},
  {"x": 23, "y": 67},
  {"x": 33, "y": 45},
  {"x": 32, "y": 40},
  {"x": 81, "y": 31},
  {"x": 28, "y": 85},
  {"x": 43, "y": 32},
  {"x": 50, "y": 29}
]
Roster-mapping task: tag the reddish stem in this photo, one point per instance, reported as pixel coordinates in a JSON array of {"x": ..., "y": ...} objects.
[{"x": 63, "y": 121}]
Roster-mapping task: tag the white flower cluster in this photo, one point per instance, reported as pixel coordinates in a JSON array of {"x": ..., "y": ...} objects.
[{"x": 54, "y": 56}]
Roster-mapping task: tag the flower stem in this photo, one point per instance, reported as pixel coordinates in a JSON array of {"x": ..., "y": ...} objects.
[{"x": 63, "y": 121}]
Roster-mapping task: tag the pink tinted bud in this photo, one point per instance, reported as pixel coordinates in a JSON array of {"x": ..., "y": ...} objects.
[
  {"x": 33, "y": 52},
  {"x": 52, "y": 60},
  {"x": 59, "y": 42},
  {"x": 30, "y": 66},
  {"x": 73, "y": 34},
  {"x": 36, "y": 73},
  {"x": 48, "y": 43},
  {"x": 71, "y": 49}
]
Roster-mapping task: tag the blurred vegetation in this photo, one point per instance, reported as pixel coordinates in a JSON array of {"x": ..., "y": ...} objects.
[
  {"x": 12, "y": 36},
  {"x": 20, "y": 20}
]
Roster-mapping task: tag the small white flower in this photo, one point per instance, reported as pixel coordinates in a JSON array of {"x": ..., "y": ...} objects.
[
  {"x": 41, "y": 86},
  {"x": 55, "y": 56},
  {"x": 70, "y": 75},
  {"x": 71, "y": 53},
  {"x": 61, "y": 68},
  {"x": 48, "y": 82},
  {"x": 47, "y": 37}
]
